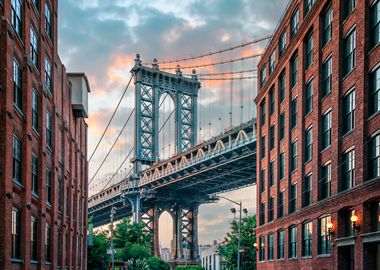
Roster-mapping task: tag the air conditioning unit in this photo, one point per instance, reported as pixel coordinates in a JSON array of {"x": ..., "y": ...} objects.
[{"x": 79, "y": 94}]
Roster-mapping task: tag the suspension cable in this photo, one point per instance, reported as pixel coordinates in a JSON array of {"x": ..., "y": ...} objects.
[
  {"x": 228, "y": 79},
  {"x": 224, "y": 73}
]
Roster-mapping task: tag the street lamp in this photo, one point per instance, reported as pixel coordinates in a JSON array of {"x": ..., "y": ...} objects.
[{"x": 354, "y": 220}]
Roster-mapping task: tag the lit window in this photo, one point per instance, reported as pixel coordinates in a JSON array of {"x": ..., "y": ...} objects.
[
  {"x": 349, "y": 112},
  {"x": 293, "y": 242},
  {"x": 293, "y": 198},
  {"x": 326, "y": 77},
  {"x": 349, "y": 58},
  {"x": 325, "y": 182},
  {"x": 294, "y": 23},
  {"x": 375, "y": 216},
  {"x": 326, "y": 130},
  {"x": 17, "y": 85},
  {"x": 374, "y": 92},
  {"x": 309, "y": 97},
  {"x": 308, "y": 145},
  {"x": 17, "y": 160},
  {"x": 374, "y": 157},
  {"x": 270, "y": 247},
  {"x": 307, "y": 239},
  {"x": 375, "y": 24},
  {"x": 327, "y": 28},
  {"x": 16, "y": 233},
  {"x": 309, "y": 47},
  {"x": 16, "y": 16},
  {"x": 281, "y": 244},
  {"x": 323, "y": 236},
  {"x": 33, "y": 47},
  {"x": 307, "y": 188}
]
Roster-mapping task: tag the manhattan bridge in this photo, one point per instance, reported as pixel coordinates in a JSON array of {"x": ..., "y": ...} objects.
[{"x": 176, "y": 174}]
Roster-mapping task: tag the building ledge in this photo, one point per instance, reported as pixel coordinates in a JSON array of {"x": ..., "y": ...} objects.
[
  {"x": 371, "y": 237},
  {"x": 345, "y": 241}
]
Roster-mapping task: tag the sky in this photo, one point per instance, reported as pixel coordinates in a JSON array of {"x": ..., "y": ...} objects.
[{"x": 102, "y": 37}]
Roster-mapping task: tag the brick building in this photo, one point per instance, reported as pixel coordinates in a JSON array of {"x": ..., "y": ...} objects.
[
  {"x": 43, "y": 144},
  {"x": 318, "y": 134}
]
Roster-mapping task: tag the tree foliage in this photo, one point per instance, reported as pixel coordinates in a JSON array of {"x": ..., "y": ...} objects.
[
  {"x": 189, "y": 267},
  {"x": 97, "y": 253},
  {"x": 248, "y": 238}
]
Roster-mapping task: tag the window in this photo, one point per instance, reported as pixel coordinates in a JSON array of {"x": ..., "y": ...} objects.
[
  {"x": 323, "y": 235},
  {"x": 307, "y": 187},
  {"x": 271, "y": 174},
  {"x": 281, "y": 173},
  {"x": 348, "y": 226},
  {"x": 262, "y": 180},
  {"x": 17, "y": 85},
  {"x": 271, "y": 133},
  {"x": 48, "y": 186},
  {"x": 280, "y": 212},
  {"x": 309, "y": 47},
  {"x": 49, "y": 126},
  {"x": 271, "y": 209},
  {"x": 326, "y": 130},
  {"x": 263, "y": 76},
  {"x": 294, "y": 111},
  {"x": 35, "y": 110},
  {"x": 293, "y": 242},
  {"x": 309, "y": 97},
  {"x": 326, "y": 77},
  {"x": 293, "y": 71},
  {"x": 349, "y": 112},
  {"x": 262, "y": 248},
  {"x": 34, "y": 174},
  {"x": 48, "y": 75},
  {"x": 16, "y": 16},
  {"x": 262, "y": 150},
  {"x": 33, "y": 55},
  {"x": 262, "y": 213},
  {"x": 348, "y": 177},
  {"x": 349, "y": 58},
  {"x": 17, "y": 160},
  {"x": 282, "y": 126},
  {"x": 48, "y": 22},
  {"x": 374, "y": 92},
  {"x": 348, "y": 7},
  {"x": 281, "y": 244},
  {"x": 294, "y": 23},
  {"x": 307, "y": 239},
  {"x": 294, "y": 154},
  {"x": 325, "y": 182},
  {"x": 375, "y": 214},
  {"x": 307, "y": 6},
  {"x": 33, "y": 239},
  {"x": 374, "y": 157},
  {"x": 271, "y": 101},
  {"x": 293, "y": 198},
  {"x": 262, "y": 113},
  {"x": 282, "y": 86},
  {"x": 282, "y": 43},
  {"x": 327, "y": 29},
  {"x": 16, "y": 233},
  {"x": 308, "y": 145},
  {"x": 60, "y": 195},
  {"x": 47, "y": 243},
  {"x": 35, "y": 3},
  {"x": 68, "y": 202},
  {"x": 375, "y": 24},
  {"x": 272, "y": 61},
  {"x": 270, "y": 247}
]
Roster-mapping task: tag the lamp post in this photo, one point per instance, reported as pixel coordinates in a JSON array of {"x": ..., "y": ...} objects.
[
  {"x": 233, "y": 211},
  {"x": 113, "y": 211}
]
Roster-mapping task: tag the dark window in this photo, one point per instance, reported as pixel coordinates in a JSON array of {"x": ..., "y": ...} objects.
[
  {"x": 272, "y": 61},
  {"x": 348, "y": 7},
  {"x": 326, "y": 130},
  {"x": 349, "y": 112},
  {"x": 35, "y": 3},
  {"x": 271, "y": 174},
  {"x": 48, "y": 186},
  {"x": 271, "y": 209},
  {"x": 293, "y": 242},
  {"x": 271, "y": 101},
  {"x": 281, "y": 173},
  {"x": 374, "y": 157},
  {"x": 262, "y": 213},
  {"x": 262, "y": 113},
  {"x": 325, "y": 182},
  {"x": 375, "y": 24},
  {"x": 282, "y": 43},
  {"x": 262, "y": 150},
  {"x": 47, "y": 243},
  {"x": 326, "y": 77},
  {"x": 294, "y": 155},
  {"x": 263, "y": 76},
  {"x": 282, "y": 126},
  {"x": 68, "y": 202},
  {"x": 34, "y": 174},
  {"x": 48, "y": 75},
  {"x": 281, "y": 244},
  {"x": 374, "y": 92},
  {"x": 375, "y": 214},
  {"x": 282, "y": 86},
  {"x": 270, "y": 247},
  {"x": 307, "y": 188},
  {"x": 33, "y": 47},
  {"x": 323, "y": 235},
  {"x": 309, "y": 97},
  {"x": 308, "y": 145},
  {"x": 309, "y": 47},
  {"x": 349, "y": 58},
  {"x": 294, "y": 23},
  {"x": 262, "y": 248},
  {"x": 17, "y": 85},
  {"x": 33, "y": 239},
  {"x": 348, "y": 226},
  {"x": 293, "y": 198},
  {"x": 307, "y": 239},
  {"x": 307, "y": 6},
  {"x": 48, "y": 22},
  {"x": 17, "y": 160},
  {"x": 348, "y": 177},
  {"x": 16, "y": 16},
  {"x": 272, "y": 138},
  {"x": 16, "y": 233},
  {"x": 262, "y": 180},
  {"x": 60, "y": 195},
  {"x": 293, "y": 71},
  {"x": 327, "y": 28},
  {"x": 294, "y": 111},
  {"x": 281, "y": 204},
  {"x": 35, "y": 110},
  {"x": 49, "y": 125}
]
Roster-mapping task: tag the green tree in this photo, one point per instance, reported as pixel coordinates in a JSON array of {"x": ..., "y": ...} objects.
[
  {"x": 230, "y": 247},
  {"x": 189, "y": 267},
  {"x": 157, "y": 264},
  {"x": 138, "y": 264},
  {"x": 97, "y": 253}
]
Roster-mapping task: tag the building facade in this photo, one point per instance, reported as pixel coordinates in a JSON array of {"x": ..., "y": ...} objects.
[
  {"x": 43, "y": 144},
  {"x": 209, "y": 256},
  {"x": 318, "y": 131}
]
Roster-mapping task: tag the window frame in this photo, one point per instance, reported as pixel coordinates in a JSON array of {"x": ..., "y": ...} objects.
[
  {"x": 33, "y": 239},
  {"x": 309, "y": 48},
  {"x": 281, "y": 244},
  {"x": 374, "y": 24},
  {"x": 325, "y": 181},
  {"x": 327, "y": 77},
  {"x": 294, "y": 113},
  {"x": 348, "y": 111},
  {"x": 34, "y": 174},
  {"x": 309, "y": 93},
  {"x": 281, "y": 165},
  {"x": 294, "y": 156},
  {"x": 292, "y": 198},
  {"x": 48, "y": 22},
  {"x": 349, "y": 52},
  {"x": 326, "y": 129},
  {"x": 294, "y": 70},
  {"x": 48, "y": 75},
  {"x": 282, "y": 85},
  {"x": 17, "y": 85},
  {"x": 307, "y": 189},
  {"x": 16, "y": 16},
  {"x": 327, "y": 19},
  {"x": 293, "y": 242},
  {"x": 307, "y": 239},
  {"x": 33, "y": 53},
  {"x": 324, "y": 241},
  {"x": 294, "y": 22},
  {"x": 374, "y": 90},
  {"x": 16, "y": 233},
  {"x": 308, "y": 144},
  {"x": 374, "y": 157},
  {"x": 271, "y": 247},
  {"x": 17, "y": 160}
]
